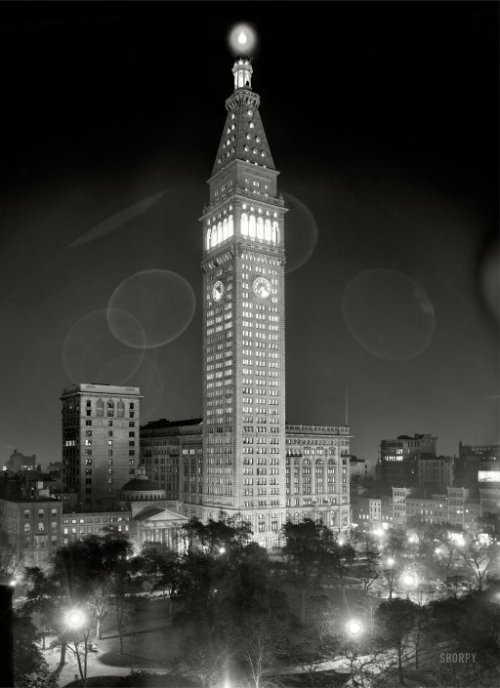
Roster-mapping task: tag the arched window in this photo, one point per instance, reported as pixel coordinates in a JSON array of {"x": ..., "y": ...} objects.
[
  {"x": 213, "y": 240},
  {"x": 224, "y": 228},
  {"x": 110, "y": 409},
  {"x": 100, "y": 407},
  {"x": 244, "y": 224},
  {"x": 230, "y": 226},
  {"x": 219, "y": 232},
  {"x": 275, "y": 233},
  {"x": 267, "y": 230},
  {"x": 251, "y": 226},
  {"x": 209, "y": 236},
  {"x": 260, "y": 228}
]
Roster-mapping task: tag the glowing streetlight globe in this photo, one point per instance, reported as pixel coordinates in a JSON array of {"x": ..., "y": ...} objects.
[
  {"x": 74, "y": 619},
  {"x": 354, "y": 627},
  {"x": 242, "y": 39},
  {"x": 389, "y": 562},
  {"x": 409, "y": 579}
]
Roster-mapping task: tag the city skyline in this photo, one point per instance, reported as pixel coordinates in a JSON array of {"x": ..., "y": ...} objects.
[{"x": 388, "y": 165}]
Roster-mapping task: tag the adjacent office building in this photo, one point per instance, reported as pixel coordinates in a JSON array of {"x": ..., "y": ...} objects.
[{"x": 100, "y": 438}]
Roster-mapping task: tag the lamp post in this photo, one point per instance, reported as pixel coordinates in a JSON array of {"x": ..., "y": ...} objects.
[
  {"x": 354, "y": 629},
  {"x": 409, "y": 581},
  {"x": 75, "y": 620},
  {"x": 389, "y": 571}
]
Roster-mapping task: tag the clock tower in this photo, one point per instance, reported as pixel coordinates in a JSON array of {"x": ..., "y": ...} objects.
[{"x": 244, "y": 324}]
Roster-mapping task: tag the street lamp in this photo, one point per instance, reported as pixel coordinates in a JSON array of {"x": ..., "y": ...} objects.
[
  {"x": 75, "y": 620},
  {"x": 354, "y": 628},
  {"x": 389, "y": 562},
  {"x": 409, "y": 580}
]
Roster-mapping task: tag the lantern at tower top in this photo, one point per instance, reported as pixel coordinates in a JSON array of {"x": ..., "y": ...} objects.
[
  {"x": 242, "y": 40},
  {"x": 242, "y": 71}
]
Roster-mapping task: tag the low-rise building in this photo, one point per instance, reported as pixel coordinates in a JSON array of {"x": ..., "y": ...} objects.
[
  {"x": 435, "y": 472},
  {"x": 33, "y": 527}
]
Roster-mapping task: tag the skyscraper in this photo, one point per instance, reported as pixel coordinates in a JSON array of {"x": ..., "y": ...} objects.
[
  {"x": 100, "y": 428},
  {"x": 244, "y": 322}
]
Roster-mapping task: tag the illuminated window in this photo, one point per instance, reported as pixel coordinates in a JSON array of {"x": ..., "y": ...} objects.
[
  {"x": 244, "y": 224},
  {"x": 251, "y": 226}
]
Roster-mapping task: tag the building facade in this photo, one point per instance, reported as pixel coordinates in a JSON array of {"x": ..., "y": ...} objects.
[
  {"x": 244, "y": 321},
  {"x": 316, "y": 471},
  {"x": 20, "y": 463},
  {"x": 171, "y": 452},
  {"x": 399, "y": 458},
  {"x": 33, "y": 527},
  {"x": 477, "y": 464},
  {"x": 435, "y": 472},
  {"x": 318, "y": 474},
  {"x": 100, "y": 437}
]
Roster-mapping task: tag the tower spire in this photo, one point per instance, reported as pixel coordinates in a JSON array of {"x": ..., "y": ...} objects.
[{"x": 243, "y": 137}]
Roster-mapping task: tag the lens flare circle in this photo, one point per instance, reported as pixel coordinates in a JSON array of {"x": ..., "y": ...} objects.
[
  {"x": 162, "y": 302},
  {"x": 242, "y": 39},
  {"x": 91, "y": 352},
  {"x": 388, "y": 314},
  {"x": 301, "y": 233}
]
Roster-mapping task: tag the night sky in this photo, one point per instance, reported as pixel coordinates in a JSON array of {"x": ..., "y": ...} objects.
[{"x": 381, "y": 117}]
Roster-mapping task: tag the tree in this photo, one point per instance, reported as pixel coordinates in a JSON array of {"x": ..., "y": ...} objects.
[
  {"x": 480, "y": 557},
  {"x": 206, "y": 658},
  {"x": 85, "y": 569},
  {"x": 306, "y": 548},
  {"x": 471, "y": 622},
  {"x": 315, "y": 646},
  {"x": 258, "y": 642},
  {"x": 395, "y": 621},
  {"x": 259, "y": 636},
  {"x": 10, "y": 559},
  {"x": 29, "y": 662},
  {"x": 45, "y": 601},
  {"x": 368, "y": 567},
  {"x": 163, "y": 566},
  {"x": 124, "y": 583},
  {"x": 217, "y": 536},
  {"x": 41, "y": 599},
  {"x": 338, "y": 564}
]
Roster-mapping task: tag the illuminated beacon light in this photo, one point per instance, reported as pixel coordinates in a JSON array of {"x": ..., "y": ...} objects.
[{"x": 242, "y": 39}]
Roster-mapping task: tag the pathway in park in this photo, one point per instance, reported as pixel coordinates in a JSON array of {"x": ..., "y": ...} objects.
[{"x": 151, "y": 637}]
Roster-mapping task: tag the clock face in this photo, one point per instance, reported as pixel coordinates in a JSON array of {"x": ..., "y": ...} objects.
[
  {"x": 261, "y": 287},
  {"x": 217, "y": 291}
]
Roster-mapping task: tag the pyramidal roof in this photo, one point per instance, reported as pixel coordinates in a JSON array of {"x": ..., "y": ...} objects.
[{"x": 243, "y": 136}]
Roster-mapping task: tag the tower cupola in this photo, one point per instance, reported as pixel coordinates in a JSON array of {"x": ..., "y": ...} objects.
[{"x": 242, "y": 71}]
